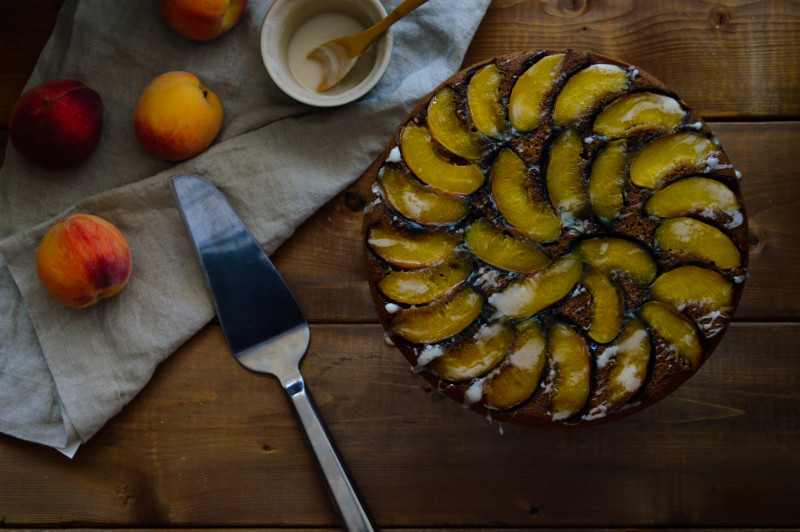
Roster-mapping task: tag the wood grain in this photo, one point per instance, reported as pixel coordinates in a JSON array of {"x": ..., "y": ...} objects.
[
  {"x": 726, "y": 59},
  {"x": 729, "y": 58},
  {"x": 209, "y": 443}
]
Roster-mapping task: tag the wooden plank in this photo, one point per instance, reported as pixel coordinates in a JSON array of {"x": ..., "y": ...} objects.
[
  {"x": 208, "y": 443},
  {"x": 322, "y": 261},
  {"x": 764, "y": 154},
  {"x": 724, "y": 58}
]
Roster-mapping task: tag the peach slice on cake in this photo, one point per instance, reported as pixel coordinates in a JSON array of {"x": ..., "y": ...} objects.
[
  {"x": 528, "y": 295},
  {"x": 628, "y": 113},
  {"x": 564, "y": 175},
  {"x": 608, "y": 306},
  {"x": 439, "y": 320},
  {"x": 476, "y": 355},
  {"x": 483, "y": 99},
  {"x": 585, "y": 89},
  {"x": 697, "y": 240},
  {"x": 616, "y": 254},
  {"x": 526, "y": 103},
  {"x": 693, "y": 285},
  {"x": 405, "y": 249},
  {"x": 656, "y": 161},
  {"x": 694, "y": 195},
  {"x": 676, "y": 330},
  {"x": 420, "y": 203},
  {"x": 629, "y": 357},
  {"x": 449, "y": 130},
  {"x": 519, "y": 376},
  {"x": 511, "y": 189},
  {"x": 607, "y": 180},
  {"x": 503, "y": 251},
  {"x": 419, "y": 153},
  {"x": 569, "y": 360},
  {"x": 418, "y": 287}
]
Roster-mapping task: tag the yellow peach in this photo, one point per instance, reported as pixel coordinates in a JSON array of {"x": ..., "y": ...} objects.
[
  {"x": 176, "y": 116},
  {"x": 82, "y": 259}
]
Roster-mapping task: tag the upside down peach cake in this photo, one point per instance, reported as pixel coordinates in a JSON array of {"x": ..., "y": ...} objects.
[{"x": 555, "y": 239}]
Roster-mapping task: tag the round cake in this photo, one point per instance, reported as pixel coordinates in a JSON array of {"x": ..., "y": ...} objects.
[{"x": 555, "y": 239}]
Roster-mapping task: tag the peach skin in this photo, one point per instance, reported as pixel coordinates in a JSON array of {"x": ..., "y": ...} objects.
[
  {"x": 202, "y": 20},
  {"x": 57, "y": 124},
  {"x": 82, "y": 259},
  {"x": 176, "y": 116}
]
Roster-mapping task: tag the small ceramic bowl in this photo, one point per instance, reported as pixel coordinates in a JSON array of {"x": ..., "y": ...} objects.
[{"x": 283, "y": 46}]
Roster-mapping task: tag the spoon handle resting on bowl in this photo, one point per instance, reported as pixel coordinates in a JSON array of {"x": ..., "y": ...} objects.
[{"x": 338, "y": 56}]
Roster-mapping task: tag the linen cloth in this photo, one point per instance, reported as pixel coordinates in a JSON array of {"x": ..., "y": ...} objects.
[{"x": 65, "y": 372}]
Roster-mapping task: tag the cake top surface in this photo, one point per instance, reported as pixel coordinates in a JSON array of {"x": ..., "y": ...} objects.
[{"x": 555, "y": 239}]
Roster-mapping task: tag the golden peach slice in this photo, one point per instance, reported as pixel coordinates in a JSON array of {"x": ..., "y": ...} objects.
[
  {"x": 517, "y": 379},
  {"x": 616, "y": 254},
  {"x": 566, "y": 185},
  {"x": 482, "y": 352},
  {"x": 418, "y": 287},
  {"x": 656, "y": 161},
  {"x": 608, "y": 306},
  {"x": 440, "y": 320},
  {"x": 569, "y": 358},
  {"x": 676, "y": 329},
  {"x": 420, "y": 155},
  {"x": 607, "y": 180},
  {"x": 503, "y": 251},
  {"x": 641, "y": 109},
  {"x": 585, "y": 89},
  {"x": 629, "y": 356},
  {"x": 410, "y": 250},
  {"x": 526, "y": 296},
  {"x": 695, "y": 195},
  {"x": 449, "y": 130},
  {"x": 483, "y": 99},
  {"x": 699, "y": 240},
  {"x": 415, "y": 201},
  {"x": 510, "y": 189},
  {"x": 526, "y": 103},
  {"x": 693, "y": 285}
]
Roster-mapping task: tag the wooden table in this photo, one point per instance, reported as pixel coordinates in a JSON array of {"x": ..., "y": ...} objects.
[{"x": 210, "y": 444}]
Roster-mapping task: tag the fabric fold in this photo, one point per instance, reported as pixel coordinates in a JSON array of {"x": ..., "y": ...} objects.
[{"x": 65, "y": 372}]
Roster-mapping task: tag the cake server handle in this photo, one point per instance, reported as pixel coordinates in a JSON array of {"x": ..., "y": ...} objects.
[{"x": 344, "y": 493}]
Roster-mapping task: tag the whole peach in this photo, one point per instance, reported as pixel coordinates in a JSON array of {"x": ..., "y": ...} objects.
[
  {"x": 57, "y": 124},
  {"x": 176, "y": 116},
  {"x": 202, "y": 20},
  {"x": 82, "y": 259}
]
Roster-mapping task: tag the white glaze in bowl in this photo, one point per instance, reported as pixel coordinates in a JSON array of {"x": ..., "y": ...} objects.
[{"x": 280, "y": 25}]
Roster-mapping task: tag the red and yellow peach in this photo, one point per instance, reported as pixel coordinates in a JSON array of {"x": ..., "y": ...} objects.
[
  {"x": 57, "y": 124},
  {"x": 82, "y": 259},
  {"x": 202, "y": 20}
]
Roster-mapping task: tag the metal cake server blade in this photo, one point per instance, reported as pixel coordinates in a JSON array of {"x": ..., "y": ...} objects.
[{"x": 264, "y": 325}]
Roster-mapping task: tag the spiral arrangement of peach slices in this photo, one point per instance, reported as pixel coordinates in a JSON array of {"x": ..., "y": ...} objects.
[{"x": 514, "y": 279}]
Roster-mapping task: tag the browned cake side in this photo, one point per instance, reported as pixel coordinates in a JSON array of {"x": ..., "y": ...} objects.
[{"x": 555, "y": 239}]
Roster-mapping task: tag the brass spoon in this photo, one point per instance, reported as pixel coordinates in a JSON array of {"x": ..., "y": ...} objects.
[{"x": 338, "y": 56}]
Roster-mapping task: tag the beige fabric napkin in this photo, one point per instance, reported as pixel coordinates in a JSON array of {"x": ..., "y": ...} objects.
[{"x": 65, "y": 372}]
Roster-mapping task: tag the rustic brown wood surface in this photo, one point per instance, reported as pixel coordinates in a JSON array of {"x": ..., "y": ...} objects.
[{"x": 208, "y": 444}]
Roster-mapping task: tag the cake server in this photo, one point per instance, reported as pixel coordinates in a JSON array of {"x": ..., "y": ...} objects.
[{"x": 264, "y": 325}]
